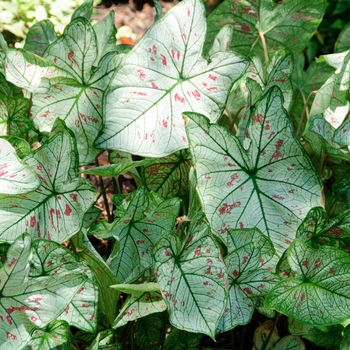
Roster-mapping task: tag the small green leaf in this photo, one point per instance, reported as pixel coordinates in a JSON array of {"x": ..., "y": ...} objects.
[
  {"x": 181, "y": 340},
  {"x": 14, "y": 116},
  {"x": 150, "y": 331},
  {"x": 319, "y": 293},
  {"x": 39, "y": 37},
  {"x": 84, "y": 10},
  {"x": 163, "y": 76},
  {"x": 15, "y": 176},
  {"x": 342, "y": 43},
  {"x": 168, "y": 176},
  {"x": 192, "y": 278},
  {"x": 146, "y": 216},
  {"x": 269, "y": 175},
  {"x": 56, "y": 209}
]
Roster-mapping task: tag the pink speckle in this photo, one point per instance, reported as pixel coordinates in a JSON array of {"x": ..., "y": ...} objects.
[
  {"x": 212, "y": 77},
  {"x": 245, "y": 27},
  {"x": 68, "y": 210},
  {"x": 154, "y": 85},
  {"x": 178, "y": 98},
  {"x": 164, "y": 60}
]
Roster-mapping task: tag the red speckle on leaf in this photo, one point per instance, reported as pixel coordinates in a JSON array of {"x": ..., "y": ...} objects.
[
  {"x": 248, "y": 290},
  {"x": 73, "y": 196},
  {"x": 197, "y": 252},
  {"x": 226, "y": 208},
  {"x": 302, "y": 297},
  {"x": 154, "y": 49},
  {"x": 71, "y": 57},
  {"x": 188, "y": 12},
  {"x": 184, "y": 36},
  {"x": 184, "y": 139},
  {"x": 277, "y": 154},
  {"x": 287, "y": 241},
  {"x": 245, "y": 27},
  {"x": 276, "y": 196},
  {"x": 179, "y": 98},
  {"x": 208, "y": 271},
  {"x": 318, "y": 263},
  {"x": 331, "y": 271},
  {"x": 154, "y": 85},
  {"x": 259, "y": 118},
  {"x": 196, "y": 95},
  {"x": 140, "y": 241},
  {"x": 233, "y": 177},
  {"x": 142, "y": 74},
  {"x": 164, "y": 61},
  {"x": 68, "y": 210},
  {"x": 45, "y": 114},
  {"x": 12, "y": 262},
  {"x": 294, "y": 40},
  {"x": 151, "y": 58},
  {"x": 32, "y": 221},
  {"x": 305, "y": 263},
  {"x": 209, "y": 261},
  {"x": 235, "y": 273},
  {"x": 167, "y": 253},
  {"x": 212, "y": 77},
  {"x": 241, "y": 225},
  {"x": 10, "y": 336}
]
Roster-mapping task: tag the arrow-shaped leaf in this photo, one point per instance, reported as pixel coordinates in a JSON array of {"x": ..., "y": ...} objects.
[
  {"x": 163, "y": 76},
  {"x": 56, "y": 209},
  {"x": 15, "y": 176},
  {"x": 270, "y": 175},
  {"x": 319, "y": 293},
  {"x": 192, "y": 278},
  {"x": 146, "y": 216},
  {"x": 31, "y": 299},
  {"x": 248, "y": 264}
]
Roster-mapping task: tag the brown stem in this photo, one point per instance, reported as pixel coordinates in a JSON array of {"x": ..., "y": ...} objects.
[{"x": 305, "y": 110}]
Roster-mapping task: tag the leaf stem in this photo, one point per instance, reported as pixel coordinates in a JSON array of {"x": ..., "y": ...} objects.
[
  {"x": 266, "y": 342},
  {"x": 105, "y": 199},
  {"x": 243, "y": 335},
  {"x": 305, "y": 110},
  {"x": 263, "y": 43},
  {"x": 233, "y": 121}
]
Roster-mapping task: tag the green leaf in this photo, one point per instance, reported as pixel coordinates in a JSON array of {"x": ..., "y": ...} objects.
[
  {"x": 318, "y": 295},
  {"x": 39, "y": 37},
  {"x": 346, "y": 340},
  {"x": 55, "y": 336},
  {"x": 192, "y": 278},
  {"x": 105, "y": 32},
  {"x": 316, "y": 230},
  {"x": 163, "y": 76},
  {"x": 15, "y": 176},
  {"x": 269, "y": 174},
  {"x": 14, "y": 116},
  {"x": 342, "y": 43},
  {"x": 84, "y": 10},
  {"x": 248, "y": 262},
  {"x": 56, "y": 209},
  {"x": 150, "y": 331},
  {"x": 168, "y": 176},
  {"x": 288, "y": 25},
  {"x": 289, "y": 342},
  {"x": 145, "y": 216},
  {"x": 33, "y": 296},
  {"x": 108, "y": 298},
  {"x": 182, "y": 340}
]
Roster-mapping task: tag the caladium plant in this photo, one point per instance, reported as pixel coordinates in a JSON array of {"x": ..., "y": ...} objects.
[{"x": 210, "y": 165}]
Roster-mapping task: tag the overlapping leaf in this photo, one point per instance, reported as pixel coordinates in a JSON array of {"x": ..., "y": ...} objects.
[
  {"x": 56, "y": 209},
  {"x": 248, "y": 262},
  {"x": 168, "y": 176},
  {"x": 319, "y": 293},
  {"x": 145, "y": 299},
  {"x": 76, "y": 95},
  {"x": 56, "y": 335},
  {"x": 287, "y": 25},
  {"x": 32, "y": 296},
  {"x": 268, "y": 182},
  {"x": 14, "y": 116},
  {"x": 146, "y": 216},
  {"x": 15, "y": 176},
  {"x": 164, "y": 75},
  {"x": 192, "y": 278}
]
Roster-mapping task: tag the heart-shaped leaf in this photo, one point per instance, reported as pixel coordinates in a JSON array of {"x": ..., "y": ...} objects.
[
  {"x": 15, "y": 176},
  {"x": 56, "y": 209},
  {"x": 168, "y": 176},
  {"x": 274, "y": 25},
  {"x": 163, "y": 76},
  {"x": 39, "y": 37},
  {"x": 76, "y": 96},
  {"x": 319, "y": 293},
  {"x": 342, "y": 43},
  {"x": 36, "y": 286},
  {"x": 270, "y": 175},
  {"x": 192, "y": 278},
  {"x": 14, "y": 116},
  {"x": 145, "y": 217},
  {"x": 55, "y": 336},
  {"x": 248, "y": 263}
]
